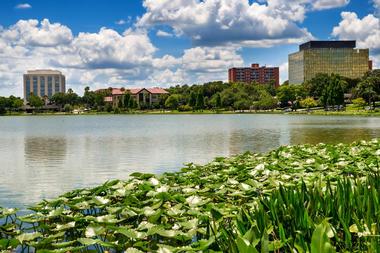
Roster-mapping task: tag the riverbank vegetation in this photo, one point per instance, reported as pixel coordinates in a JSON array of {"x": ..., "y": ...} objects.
[
  {"x": 328, "y": 92},
  {"x": 305, "y": 198}
]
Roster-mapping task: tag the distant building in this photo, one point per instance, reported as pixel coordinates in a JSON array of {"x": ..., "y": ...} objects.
[
  {"x": 146, "y": 96},
  {"x": 43, "y": 83},
  {"x": 255, "y": 73},
  {"x": 339, "y": 57}
]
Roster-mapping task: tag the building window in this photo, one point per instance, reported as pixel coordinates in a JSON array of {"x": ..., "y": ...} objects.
[
  {"x": 56, "y": 84},
  {"x": 42, "y": 86},
  {"x": 35, "y": 87},
  {"x": 50, "y": 86},
  {"x": 27, "y": 88}
]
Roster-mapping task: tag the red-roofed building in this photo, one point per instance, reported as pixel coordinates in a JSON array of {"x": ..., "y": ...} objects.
[
  {"x": 142, "y": 96},
  {"x": 148, "y": 96}
]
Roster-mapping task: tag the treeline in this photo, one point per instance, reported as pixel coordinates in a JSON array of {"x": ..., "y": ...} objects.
[{"x": 325, "y": 90}]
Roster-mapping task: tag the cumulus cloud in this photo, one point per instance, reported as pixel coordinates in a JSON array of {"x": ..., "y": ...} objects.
[
  {"x": 161, "y": 33},
  {"x": 104, "y": 58},
  {"x": 229, "y": 22},
  {"x": 328, "y": 4},
  {"x": 23, "y": 6},
  {"x": 365, "y": 31},
  {"x": 34, "y": 33},
  {"x": 121, "y": 22}
]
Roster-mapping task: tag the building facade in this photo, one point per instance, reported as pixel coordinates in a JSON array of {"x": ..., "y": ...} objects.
[
  {"x": 339, "y": 57},
  {"x": 43, "y": 83},
  {"x": 255, "y": 73},
  {"x": 142, "y": 96}
]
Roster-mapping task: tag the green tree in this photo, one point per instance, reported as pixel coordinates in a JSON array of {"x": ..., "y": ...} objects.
[
  {"x": 3, "y": 105},
  {"x": 359, "y": 102},
  {"x": 35, "y": 101},
  {"x": 192, "y": 99},
  {"x": 242, "y": 104},
  {"x": 200, "y": 101},
  {"x": 88, "y": 97},
  {"x": 308, "y": 102},
  {"x": 328, "y": 88},
  {"x": 266, "y": 102},
  {"x": 67, "y": 108},
  {"x": 227, "y": 98},
  {"x": 127, "y": 97},
  {"x": 369, "y": 87},
  {"x": 59, "y": 99},
  {"x": 172, "y": 102}
]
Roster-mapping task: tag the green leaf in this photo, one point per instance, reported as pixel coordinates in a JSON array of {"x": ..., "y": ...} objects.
[{"x": 320, "y": 242}]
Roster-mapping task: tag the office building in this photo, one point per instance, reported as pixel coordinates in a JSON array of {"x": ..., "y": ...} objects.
[
  {"x": 255, "y": 73},
  {"x": 339, "y": 57},
  {"x": 43, "y": 83}
]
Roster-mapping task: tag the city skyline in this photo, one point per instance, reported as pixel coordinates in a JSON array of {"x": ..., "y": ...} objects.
[{"x": 146, "y": 43}]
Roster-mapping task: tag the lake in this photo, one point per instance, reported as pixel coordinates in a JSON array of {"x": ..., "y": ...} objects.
[{"x": 45, "y": 156}]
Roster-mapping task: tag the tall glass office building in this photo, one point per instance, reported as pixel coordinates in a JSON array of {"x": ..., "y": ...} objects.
[
  {"x": 339, "y": 57},
  {"x": 43, "y": 83}
]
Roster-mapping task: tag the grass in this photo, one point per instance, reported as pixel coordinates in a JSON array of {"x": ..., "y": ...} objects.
[{"x": 309, "y": 198}]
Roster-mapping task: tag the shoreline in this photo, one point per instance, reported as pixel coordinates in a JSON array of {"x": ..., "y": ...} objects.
[{"x": 205, "y": 112}]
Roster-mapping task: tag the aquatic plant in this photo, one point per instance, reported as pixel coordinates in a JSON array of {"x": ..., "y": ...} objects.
[{"x": 268, "y": 202}]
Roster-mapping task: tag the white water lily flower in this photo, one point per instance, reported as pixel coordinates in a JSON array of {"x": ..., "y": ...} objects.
[
  {"x": 260, "y": 166},
  {"x": 310, "y": 161},
  {"x": 342, "y": 163},
  {"x": 245, "y": 187},
  {"x": 102, "y": 200},
  {"x": 68, "y": 225},
  {"x": 148, "y": 211},
  {"x": 163, "y": 188},
  {"x": 193, "y": 200},
  {"x": 232, "y": 181},
  {"x": 176, "y": 227},
  {"x": 266, "y": 172},
  {"x": 286, "y": 155},
  {"x": 154, "y": 181},
  {"x": 188, "y": 190},
  {"x": 90, "y": 232}
]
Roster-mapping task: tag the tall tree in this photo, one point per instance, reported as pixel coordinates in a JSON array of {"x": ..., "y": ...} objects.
[
  {"x": 36, "y": 101},
  {"x": 192, "y": 99},
  {"x": 199, "y": 105}
]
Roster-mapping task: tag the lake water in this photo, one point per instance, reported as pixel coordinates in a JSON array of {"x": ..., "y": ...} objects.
[{"x": 42, "y": 157}]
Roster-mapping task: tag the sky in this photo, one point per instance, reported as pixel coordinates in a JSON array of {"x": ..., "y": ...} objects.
[{"x": 113, "y": 43}]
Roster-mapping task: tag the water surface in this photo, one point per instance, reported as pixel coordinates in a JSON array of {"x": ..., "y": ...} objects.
[{"x": 44, "y": 156}]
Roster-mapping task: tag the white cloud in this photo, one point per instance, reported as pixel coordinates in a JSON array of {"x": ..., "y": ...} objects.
[
  {"x": 161, "y": 33},
  {"x": 121, "y": 22},
  {"x": 328, "y": 4},
  {"x": 23, "y": 6},
  {"x": 102, "y": 59},
  {"x": 229, "y": 22},
  {"x": 211, "y": 59},
  {"x": 34, "y": 33},
  {"x": 365, "y": 31},
  {"x": 284, "y": 68}
]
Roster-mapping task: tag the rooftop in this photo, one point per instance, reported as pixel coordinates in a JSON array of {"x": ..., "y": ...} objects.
[
  {"x": 328, "y": 44},
  {"x": 44, "y": 72}
]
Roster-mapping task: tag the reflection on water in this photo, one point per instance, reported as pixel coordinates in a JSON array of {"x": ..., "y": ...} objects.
[{"x": 42, "y": 157}]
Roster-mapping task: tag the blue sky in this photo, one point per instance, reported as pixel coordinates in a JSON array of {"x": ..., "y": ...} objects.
[{"x": 147, "y": 43}]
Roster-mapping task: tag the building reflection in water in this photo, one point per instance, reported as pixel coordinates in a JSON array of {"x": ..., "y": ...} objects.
[
  {"x": 331, "y": 135},
  {"x": 257, "y": 141}
]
